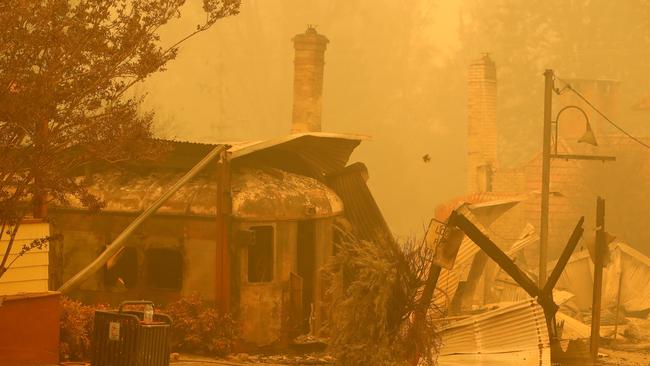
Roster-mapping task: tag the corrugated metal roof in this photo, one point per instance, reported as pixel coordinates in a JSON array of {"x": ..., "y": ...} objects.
[
  {"x": 514, "y": 334},
  {"x": 360, "y": 206},
  {"x": 315, "y": 154}
]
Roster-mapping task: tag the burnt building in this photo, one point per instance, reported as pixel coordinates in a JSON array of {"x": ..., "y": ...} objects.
[
  {"x": 574, "y": 184},
  {"x": 251, "y": 233}
]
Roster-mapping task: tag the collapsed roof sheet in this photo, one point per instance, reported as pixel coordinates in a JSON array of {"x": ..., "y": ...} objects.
[
  {"x": 483, "y": 212},
  {"x": 627, "y": 266},
  {"x": 361, "y": 209},
  {"x": 514, "y": 334}
]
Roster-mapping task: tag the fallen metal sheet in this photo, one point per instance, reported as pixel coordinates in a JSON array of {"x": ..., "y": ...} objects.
[
  {"x": 572, "y": 328},
  {"x": 514, "y": 334},
  {"x": 625, "y": 261},
  {"x": 449, "y": 280},
  {"x": 490, "y": 204},
  {"x": 361, "y": 209}
]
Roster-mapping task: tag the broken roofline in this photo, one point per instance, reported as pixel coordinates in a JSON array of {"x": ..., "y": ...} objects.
[
  {"x": 243, "y": 149},
  {"x": 315, "y": 154}
]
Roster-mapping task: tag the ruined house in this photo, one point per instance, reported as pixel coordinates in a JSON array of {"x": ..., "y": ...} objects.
[
  {"x": 498, "y": 173},
  {"x": 251, "y": 233},
  {"x": 574, "y": 184}
]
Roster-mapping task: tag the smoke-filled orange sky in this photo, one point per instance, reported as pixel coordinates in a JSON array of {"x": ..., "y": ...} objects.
[
  {"x": 397, "y": 71},
  {"x": 235, "y": 82}
]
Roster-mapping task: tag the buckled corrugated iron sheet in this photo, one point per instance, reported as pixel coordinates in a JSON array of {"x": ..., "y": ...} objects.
[
  {"x": 316, "y": 154},
  {"x": 449, "y": 279},
  {"x": 361, "y": 209},
  {"x": 625, "y": 261},
  {"x": 514, "y": 334}
]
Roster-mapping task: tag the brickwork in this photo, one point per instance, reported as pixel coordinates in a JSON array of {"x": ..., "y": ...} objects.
[
  {"x": 481, "y": 123},
  {"x": 566, "y": 188},
  {"x": 309, "y": 64},
  {"x": 509, "y": 226}
]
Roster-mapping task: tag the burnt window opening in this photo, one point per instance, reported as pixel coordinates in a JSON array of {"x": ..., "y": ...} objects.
[
  {"x": 122, "y": 269},
  {"x": 164, "y": 269},
  {"x": 260, "y": 255}
]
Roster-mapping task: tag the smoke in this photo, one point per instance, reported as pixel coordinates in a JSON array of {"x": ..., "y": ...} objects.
[
  {"x": 235, "y": 83},
  {"x": 397, "y": 72}
]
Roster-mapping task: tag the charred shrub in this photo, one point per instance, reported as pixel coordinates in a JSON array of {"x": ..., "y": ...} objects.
[
  {"x": 379, "y": 315},
  {"x": 77, "y": 321},
  {"x": 197, "y": 327}
]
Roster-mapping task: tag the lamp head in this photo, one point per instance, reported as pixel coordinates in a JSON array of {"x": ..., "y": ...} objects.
[{"x": 588, "y": 137}]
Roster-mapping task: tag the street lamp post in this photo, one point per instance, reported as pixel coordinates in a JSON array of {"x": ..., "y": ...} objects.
[
  {"x": 547, "y": 155},
  {"x": 546, "y": 176}
]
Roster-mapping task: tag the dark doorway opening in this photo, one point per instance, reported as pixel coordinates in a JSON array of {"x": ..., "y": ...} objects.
[
  {"x": 306, "y": 268},
  {"x": 260, "y": 255}
]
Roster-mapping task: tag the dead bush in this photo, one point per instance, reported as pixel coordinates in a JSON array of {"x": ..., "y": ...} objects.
[
  {"x": 77, "y": 323},
  {"x": 197, "y": 327},
  {"x": 376, "y": 296}
]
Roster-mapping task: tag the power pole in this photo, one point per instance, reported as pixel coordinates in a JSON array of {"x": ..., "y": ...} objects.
[
  {"x": 546, "y": 176},
  {"x": 599, "y": 252}
]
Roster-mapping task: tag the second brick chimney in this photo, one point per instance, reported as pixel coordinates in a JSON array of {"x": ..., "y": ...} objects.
[
  {"x": 481, "y": 124},
  {"x": 309, "y": 63}
]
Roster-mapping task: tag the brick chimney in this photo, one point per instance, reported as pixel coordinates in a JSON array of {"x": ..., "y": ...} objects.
[
  {"x": 309, "y": 63},
  {"x": 481, "y": 124}
]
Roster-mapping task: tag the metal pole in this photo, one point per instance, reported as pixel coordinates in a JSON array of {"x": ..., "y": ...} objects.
[
  {"x": 118, "y": 243},
  {"x": 618, "y": 299},
  {"x": 564, "y": 258},
  {"x": 598, "y": 277},
  {"x": 224, "y": 208},
  {"x": 546, "y": 174}
]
